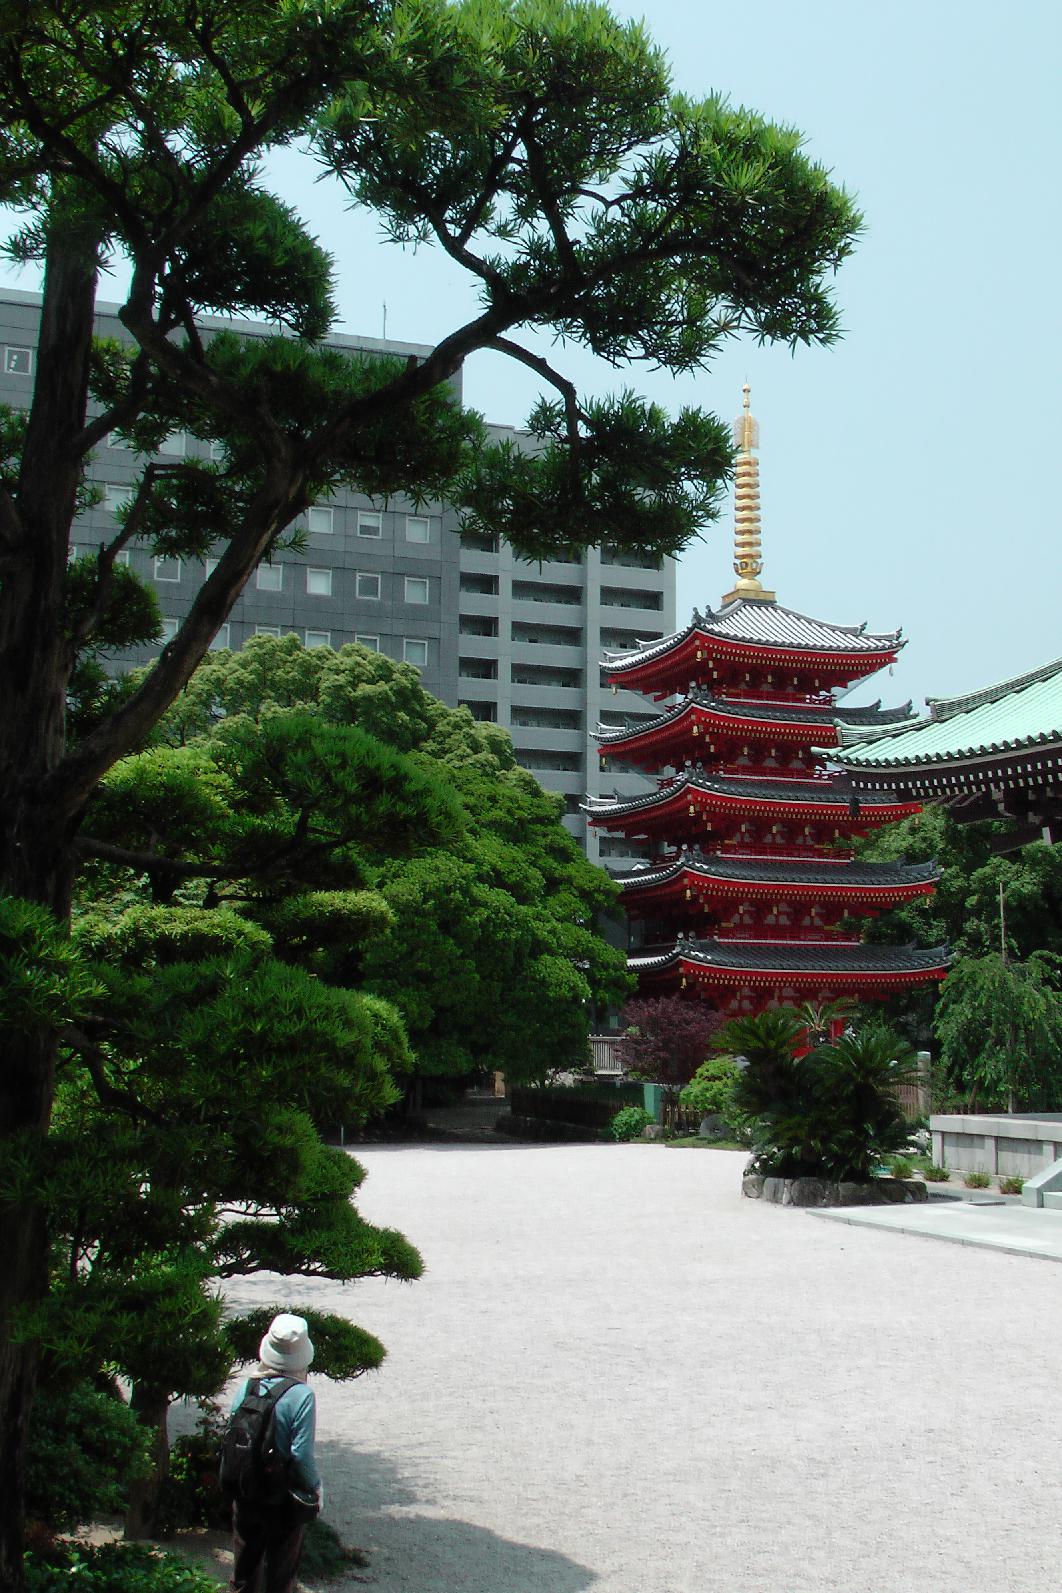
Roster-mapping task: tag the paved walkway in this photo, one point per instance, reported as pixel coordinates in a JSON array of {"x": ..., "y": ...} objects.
[
  {"x": 618, "y": 1376},
  {"x": 987, "y": 1222}
]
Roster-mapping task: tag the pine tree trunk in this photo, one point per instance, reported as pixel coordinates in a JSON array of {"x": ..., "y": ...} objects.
[
  {"x": 35, "y": 830},
  {"x": 142, "y": 1510}
]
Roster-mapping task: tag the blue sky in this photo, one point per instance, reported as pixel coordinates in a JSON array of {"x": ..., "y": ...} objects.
[{"x": 906, "y": 475}]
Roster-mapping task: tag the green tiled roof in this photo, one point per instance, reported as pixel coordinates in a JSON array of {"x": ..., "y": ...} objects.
[{"x": 1019, "y": 713}]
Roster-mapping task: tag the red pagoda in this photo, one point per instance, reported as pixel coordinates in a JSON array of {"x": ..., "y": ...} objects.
[{"x": 749, "y": 898}]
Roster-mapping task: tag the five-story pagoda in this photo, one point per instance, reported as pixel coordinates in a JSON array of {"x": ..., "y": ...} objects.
[{"x": 751, "y": 892}]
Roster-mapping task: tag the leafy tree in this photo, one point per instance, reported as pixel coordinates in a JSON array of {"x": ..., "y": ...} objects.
[
  {"x": 999, "y": 1024},
  {"x": 666, "y": 1038},
  {"x": 499, "y": 921},
  {"x": 540, "y": 147},
  {"x": 964, "y": 911}
]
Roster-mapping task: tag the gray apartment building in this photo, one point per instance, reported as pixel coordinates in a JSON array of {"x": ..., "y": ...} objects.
[{"x": 518, "y": 644}]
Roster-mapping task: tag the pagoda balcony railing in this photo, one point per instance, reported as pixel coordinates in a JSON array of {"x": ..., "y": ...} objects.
[
  {"x": 779, "y": 934},
  {"x": 768, "y": 771},
  {"x": 788, "y": 851},
  {"x": 773, "y": 695}
]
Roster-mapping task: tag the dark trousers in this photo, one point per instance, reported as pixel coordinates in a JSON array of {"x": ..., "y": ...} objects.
[{"x": 267, "y": 1545}]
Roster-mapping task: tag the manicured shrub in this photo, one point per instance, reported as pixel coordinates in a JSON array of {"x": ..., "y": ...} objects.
[
  {"x": 84, "y": 1446},
  {"x": 114, "y": 1568},
  {"x": 710, "y": 1092},
  {"x": 631, "y": 1123},
  {"x": 190, "y": 1495}
]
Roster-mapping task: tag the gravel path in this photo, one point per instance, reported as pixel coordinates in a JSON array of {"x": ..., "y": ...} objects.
[{"x": 617, "y": 1375}]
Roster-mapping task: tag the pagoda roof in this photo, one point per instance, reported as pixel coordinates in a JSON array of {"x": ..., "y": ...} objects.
[
  {"x": 749, "y": 709},
  {"x": 781, "y": 871},
  {"x": 810, "y": 793},
  {"x": 798, "y": 957},
  {"x": 1015, "y": 715},
  {"x": 756, "y": 622}
]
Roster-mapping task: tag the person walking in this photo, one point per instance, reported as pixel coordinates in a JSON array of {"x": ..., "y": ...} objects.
[{"x": 267, "y": 1536}]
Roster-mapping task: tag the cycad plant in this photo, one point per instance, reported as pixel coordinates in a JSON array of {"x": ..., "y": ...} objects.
[
  {"x": 832, "y": 1113},
  {"x": 856, "y": 1080}
]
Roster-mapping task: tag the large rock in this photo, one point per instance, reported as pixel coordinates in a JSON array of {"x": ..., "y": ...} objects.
[{"x": 822, "y": 1192}]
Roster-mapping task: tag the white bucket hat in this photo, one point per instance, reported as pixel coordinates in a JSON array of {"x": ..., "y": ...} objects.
[{"x": 287, "y": 1344}]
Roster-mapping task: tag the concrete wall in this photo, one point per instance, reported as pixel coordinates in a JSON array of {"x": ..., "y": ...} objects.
[{"x": 1018, "y": 1144}]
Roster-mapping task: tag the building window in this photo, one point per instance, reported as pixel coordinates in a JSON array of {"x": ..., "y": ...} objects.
[
  {"x": 414, "y": 652},
  {"x": 269, "y": 577},
  {"x": 479, "y": 543},
  {"x": 176, "y": 444},
  {"x": 366, "y": 585},
  {"x": 473, "y": 581},
  {"x": 267, "y": 630},
  {"x": 116, "y": 497},
  {"x": 18, "y": 361},
  {"x": 319, "y": 521},
  {"x": 371, "y": 642},
  {"x": 167, "y": 569},
  {"x": 416, "y": 588},
  {"x": 170, "y": 627},
  {"x": 116, "y": 440},
  {"x": 318, "y": 638},
  {"x": 418, "y": 528},
  {"x": 319, "y": 583},
  {"x": 478, "y": 668},
  {"x": 370, "y": 523},
  {"x": 210, "y": 565},
  {"x": 487, "y": 711},
  {"x": 218, "y": 452},
  {"x": 220, "y": 640}
]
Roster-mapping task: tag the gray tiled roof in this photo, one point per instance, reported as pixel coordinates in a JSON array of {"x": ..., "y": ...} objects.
[
  {"x": 796, "y": 957},
  {"x": 872, "y": 715},
  {"x": 784, "y": 871},
  {"x": 812, "y": 792},
  {"x": 769, "y": 625}
]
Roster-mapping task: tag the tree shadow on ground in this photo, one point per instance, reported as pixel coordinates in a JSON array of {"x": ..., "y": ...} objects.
[{"x": 378, "y": 1508}]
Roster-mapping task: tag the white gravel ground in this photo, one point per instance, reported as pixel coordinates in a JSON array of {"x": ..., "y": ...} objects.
[{"x": 619, "y": 1375}]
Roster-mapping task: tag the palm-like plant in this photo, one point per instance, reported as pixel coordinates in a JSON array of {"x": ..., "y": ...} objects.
[
  {"x": 856, "y": 1093},
  {"x": 833, "y": 1113}
]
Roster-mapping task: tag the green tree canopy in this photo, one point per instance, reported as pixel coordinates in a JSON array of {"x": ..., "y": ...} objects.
[
  {"x": 999, "y": 1024},
  {"x": 964, "y": 911},
  {"x": 488, "y": 944}
]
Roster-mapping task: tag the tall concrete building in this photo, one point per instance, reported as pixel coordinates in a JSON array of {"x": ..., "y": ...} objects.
[{"x": 516, "y": 643}]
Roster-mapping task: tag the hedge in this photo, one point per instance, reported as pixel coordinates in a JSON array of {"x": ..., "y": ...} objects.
[{"x": 584, "y": 1105}]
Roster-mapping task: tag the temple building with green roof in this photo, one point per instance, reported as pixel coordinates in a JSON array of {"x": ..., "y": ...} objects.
[{"x": 990, "y": 754}]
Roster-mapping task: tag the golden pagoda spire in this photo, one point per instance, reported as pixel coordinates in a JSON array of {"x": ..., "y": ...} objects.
[{"x": 747, "y": 558}]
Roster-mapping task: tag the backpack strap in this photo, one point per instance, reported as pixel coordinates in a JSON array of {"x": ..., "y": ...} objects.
[{"x": 270, "y": 1398}]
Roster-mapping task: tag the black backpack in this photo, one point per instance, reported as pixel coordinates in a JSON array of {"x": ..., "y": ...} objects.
[{"x": 250, "y": 1470}]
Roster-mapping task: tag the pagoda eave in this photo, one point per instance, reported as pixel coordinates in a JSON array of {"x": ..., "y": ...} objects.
[
  {"x": 690, "y": 801},
  {"x": 672, "y": 670},
  {"x": 730, "y": 969},
  {"x": 707, "y": 888},
  {"x": 686, "y": 733}
]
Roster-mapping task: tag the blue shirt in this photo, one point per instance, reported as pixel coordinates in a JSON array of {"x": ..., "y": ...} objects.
[{"x": 294, "y": 1425}]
